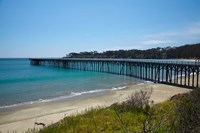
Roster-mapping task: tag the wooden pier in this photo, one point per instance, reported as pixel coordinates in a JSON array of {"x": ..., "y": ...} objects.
[{"x": 178, "y": 73}]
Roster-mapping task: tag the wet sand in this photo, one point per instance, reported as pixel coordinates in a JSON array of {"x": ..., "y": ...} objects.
[{"x": 24, "y": 118}]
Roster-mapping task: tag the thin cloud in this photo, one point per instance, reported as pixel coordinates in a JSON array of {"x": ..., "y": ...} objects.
[
  {"x": 154, "y": 42},
  {"x": 186, "y": 35},
  {"x": 192, "y": 30}
]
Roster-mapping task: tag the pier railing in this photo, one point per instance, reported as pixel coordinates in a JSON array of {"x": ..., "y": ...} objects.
[{"x": 175, "y": 72}]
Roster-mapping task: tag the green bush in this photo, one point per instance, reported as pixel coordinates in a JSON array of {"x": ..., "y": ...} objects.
[{"x": 188, "y": 112}]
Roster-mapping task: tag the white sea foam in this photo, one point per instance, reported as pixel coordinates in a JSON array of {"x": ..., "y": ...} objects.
[
  {"x": 18, "y": 104},
  {"x": 145, "y": 82},
  {"x": 183, "y": 75},
  {"x": 119, "y": 88},
  {"x": 140, "y": 84},
  {"x": 86, "y": 92},
  {"x": 149, "y": 82}
]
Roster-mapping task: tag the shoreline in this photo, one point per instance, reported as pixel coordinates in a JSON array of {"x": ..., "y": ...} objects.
[
  {"x": 22, "y": 119},
  {"x": 73, "y": 95}
]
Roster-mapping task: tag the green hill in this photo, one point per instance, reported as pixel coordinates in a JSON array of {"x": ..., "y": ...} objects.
[{"x": 191, "y": 51}]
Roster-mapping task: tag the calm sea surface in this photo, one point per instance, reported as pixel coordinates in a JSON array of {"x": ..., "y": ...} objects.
[{"x": 21, "y": 83}]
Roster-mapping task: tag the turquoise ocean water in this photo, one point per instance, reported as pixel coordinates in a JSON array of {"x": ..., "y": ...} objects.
[{"x": 21, "y": 83}]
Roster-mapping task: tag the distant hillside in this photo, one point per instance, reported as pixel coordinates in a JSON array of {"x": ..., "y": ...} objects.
[{"x": 182, "y": 52}]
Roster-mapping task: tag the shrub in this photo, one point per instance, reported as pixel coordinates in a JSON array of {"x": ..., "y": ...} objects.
[
  {"x": 188, "y": 111},
  {"x": 139, "y": 98},
  {"x": 136, "y": 102}
]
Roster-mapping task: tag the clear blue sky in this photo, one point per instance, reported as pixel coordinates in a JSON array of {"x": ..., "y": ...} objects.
[{"x": 53, "y": 28}]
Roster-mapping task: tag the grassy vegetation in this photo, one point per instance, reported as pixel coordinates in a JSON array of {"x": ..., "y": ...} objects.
[
  {"x": 113, "y": 120},
  {"x": 135, "y": 117}
]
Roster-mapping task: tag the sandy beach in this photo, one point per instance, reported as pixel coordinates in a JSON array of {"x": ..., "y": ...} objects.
[{"x": 23, "y": 118}]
